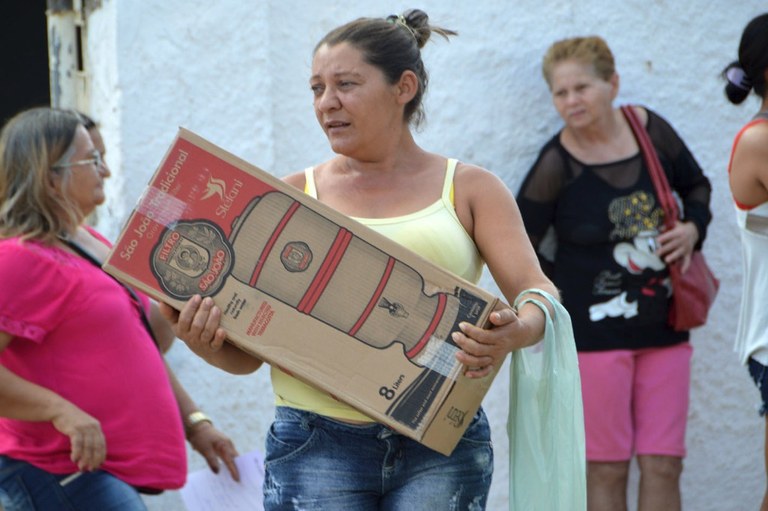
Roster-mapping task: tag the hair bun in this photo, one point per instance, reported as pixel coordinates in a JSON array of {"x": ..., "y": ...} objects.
[{"x": 739, "y": 84}]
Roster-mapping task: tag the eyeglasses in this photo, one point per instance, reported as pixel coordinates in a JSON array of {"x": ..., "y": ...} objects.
[{"x": 95, "y": 160}]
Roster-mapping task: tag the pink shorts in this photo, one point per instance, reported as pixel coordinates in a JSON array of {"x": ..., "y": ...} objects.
[{"x": 635, "y": 401}]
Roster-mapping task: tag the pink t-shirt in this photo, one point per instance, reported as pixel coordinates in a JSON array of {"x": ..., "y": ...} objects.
[{"x": 77, "y": 332}]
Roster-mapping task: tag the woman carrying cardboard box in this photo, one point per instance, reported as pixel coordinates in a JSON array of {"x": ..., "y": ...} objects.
[{"x": 368, "y": 81}]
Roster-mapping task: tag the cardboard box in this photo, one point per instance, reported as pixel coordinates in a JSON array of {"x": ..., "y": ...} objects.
[{"x": 307, "y": 289}]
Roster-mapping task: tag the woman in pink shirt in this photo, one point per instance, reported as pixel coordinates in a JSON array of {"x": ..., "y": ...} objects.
[{"x": 90, "y": 415}]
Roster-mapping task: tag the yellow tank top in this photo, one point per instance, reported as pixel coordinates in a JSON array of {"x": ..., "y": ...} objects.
[{"x": 436, "y": 234}]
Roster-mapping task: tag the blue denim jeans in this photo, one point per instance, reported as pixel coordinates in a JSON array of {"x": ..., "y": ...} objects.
[
  {"x": 313, "y": 462},
  {"x": 759, "y": 375},
  {"x": 24, "y": 487}
]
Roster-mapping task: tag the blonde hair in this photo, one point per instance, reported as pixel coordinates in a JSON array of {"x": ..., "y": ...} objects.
[
  {"x": 32, "y": 143},
  {"x": 587, "y": 50}
]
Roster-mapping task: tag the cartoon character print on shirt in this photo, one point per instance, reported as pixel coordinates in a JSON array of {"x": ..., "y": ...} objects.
[{"x": 637, "y": 289}]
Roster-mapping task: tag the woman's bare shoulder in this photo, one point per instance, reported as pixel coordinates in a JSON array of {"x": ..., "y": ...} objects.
[
  {"x": 756, "y": 135},
  {"x": 297, "y": 180},
  {"x": 475, "y": 177}
]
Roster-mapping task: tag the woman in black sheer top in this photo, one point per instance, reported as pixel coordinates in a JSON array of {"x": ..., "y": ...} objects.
[{"x": 590, "y": 209}]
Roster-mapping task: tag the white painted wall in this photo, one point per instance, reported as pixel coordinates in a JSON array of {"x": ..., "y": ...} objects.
[{"x": 236, "y": 72}]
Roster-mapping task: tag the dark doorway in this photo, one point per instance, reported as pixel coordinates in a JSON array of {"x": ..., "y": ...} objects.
[{"x": 24, "y": 79}]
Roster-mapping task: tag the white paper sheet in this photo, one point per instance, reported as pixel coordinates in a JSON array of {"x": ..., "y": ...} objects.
[{"x": 206, "y": 491}]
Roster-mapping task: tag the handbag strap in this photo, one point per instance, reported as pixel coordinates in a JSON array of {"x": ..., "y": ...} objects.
[
  {"x": 659, "y": 178},
  {"x": 134, "y": 297}
]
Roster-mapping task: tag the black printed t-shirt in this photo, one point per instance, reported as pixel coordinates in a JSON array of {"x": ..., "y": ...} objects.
[{"x": 594, "y": 228}]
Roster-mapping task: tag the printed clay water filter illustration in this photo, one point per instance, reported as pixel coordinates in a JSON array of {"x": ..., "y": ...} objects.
[{"x": 301, "y": 258}]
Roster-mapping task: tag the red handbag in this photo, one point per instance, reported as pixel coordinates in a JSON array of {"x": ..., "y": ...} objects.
[{"x": 694, "y": 290}]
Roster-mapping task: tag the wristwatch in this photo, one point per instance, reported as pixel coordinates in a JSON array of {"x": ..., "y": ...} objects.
[{"x": 193, "y": 419}]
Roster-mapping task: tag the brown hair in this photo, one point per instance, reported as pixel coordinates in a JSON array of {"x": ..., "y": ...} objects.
[
  {"x": 587, "y": 50},
  {"x": 393, "y": 45},
  {"x": 31, "y": 144}
]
